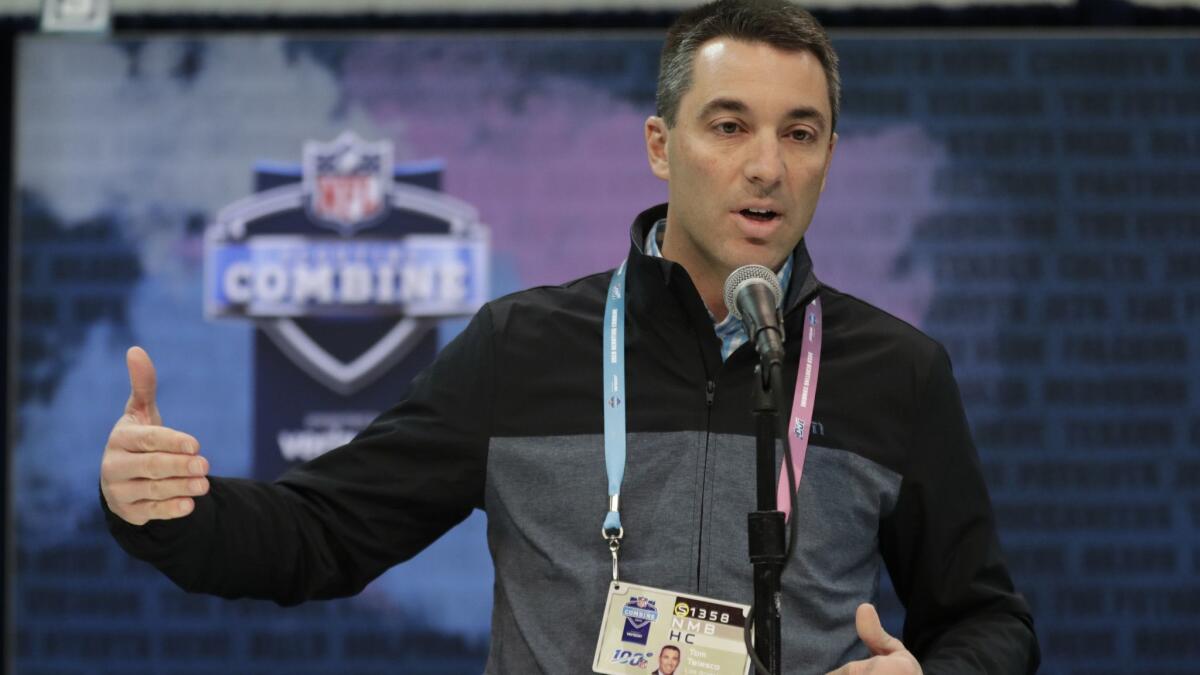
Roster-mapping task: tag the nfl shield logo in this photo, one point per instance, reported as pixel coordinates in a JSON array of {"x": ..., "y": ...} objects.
[{"x": 347, "y": 180}]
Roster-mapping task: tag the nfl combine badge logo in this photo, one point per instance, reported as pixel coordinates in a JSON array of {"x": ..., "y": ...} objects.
[{"x": 639, "y": 613}]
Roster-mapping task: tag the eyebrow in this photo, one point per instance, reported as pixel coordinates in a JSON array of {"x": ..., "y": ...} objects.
[
  {"x": 734, "y": 105},
  {"x": 722, "y": 105}
]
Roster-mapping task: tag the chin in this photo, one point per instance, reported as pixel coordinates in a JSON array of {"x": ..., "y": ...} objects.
[{"x": 769, "y": 261}]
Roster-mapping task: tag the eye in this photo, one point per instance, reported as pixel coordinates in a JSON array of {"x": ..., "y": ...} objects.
[
  {"x": 727, "y": 128},
  {"x": 802, "y": 135}
]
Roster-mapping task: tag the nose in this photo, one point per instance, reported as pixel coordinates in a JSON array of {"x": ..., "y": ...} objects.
[{"x": 764, "y": 165}]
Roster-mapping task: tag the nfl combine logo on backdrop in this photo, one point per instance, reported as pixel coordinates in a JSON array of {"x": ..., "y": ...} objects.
[{"x": 344, "y": 263}]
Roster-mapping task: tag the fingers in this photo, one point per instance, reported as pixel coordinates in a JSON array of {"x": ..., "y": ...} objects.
[
  {"x": 888, "y": 653},
  {"x": 144, "y": 486},
  {"x": 141, "y": 513},
  {"x": 142, "y": 438},
  {"x": 134, "y": 491},
  {"x": 143, "y": 384},
  {"x": 871, "y": 632},
  {"x": 117, "y": 466}
]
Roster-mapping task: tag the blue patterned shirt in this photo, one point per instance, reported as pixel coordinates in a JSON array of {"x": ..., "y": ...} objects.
[{"x": 731, "y": 331}]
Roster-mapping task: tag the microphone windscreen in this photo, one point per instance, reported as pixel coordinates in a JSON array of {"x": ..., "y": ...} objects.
[{"x": 750, "y": 274}]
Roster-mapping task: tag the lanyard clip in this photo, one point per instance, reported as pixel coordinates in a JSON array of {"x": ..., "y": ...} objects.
[{"x": 614, "y": 545}]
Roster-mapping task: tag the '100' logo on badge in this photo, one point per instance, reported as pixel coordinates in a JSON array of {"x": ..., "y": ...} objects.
[
  {"x": 629, "y": 658},
  {"x": 639, "y": 613}
]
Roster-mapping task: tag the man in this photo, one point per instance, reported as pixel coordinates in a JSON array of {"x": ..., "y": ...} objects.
[
  {"x": 668, "y": 660},
  {"x": 509, "y": 419}
]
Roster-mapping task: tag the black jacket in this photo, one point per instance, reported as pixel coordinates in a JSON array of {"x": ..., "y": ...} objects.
[{"x": 509, "y": 419}]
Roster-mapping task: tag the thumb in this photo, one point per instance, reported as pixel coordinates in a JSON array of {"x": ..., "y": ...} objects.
[
  {"x": 871, "y": 632},
  {"x": 143, "y": 384}
]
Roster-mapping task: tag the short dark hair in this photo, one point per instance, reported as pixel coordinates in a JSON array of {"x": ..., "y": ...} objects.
[
  {"x": 779, "y": 23},
  {"x": 660, "y": 649}
]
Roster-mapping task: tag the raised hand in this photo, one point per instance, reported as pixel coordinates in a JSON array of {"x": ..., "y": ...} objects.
[
  {"x": 149, "y": 472},
  {"x": 888, "y": 655}
]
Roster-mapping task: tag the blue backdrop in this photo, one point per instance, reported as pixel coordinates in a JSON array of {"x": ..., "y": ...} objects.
[{"x": 1034, "y": 203}]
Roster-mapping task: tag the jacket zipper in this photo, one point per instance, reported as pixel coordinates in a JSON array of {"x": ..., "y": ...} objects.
[{"x": 710, "y": 389}]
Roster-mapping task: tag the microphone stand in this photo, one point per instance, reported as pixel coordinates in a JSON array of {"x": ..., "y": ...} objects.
[{"x": 768, "y": 549}]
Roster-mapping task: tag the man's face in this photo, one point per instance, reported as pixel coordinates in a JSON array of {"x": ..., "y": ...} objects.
[
  {"x": 747, "y": 158},
  {"x": 668, "y": 660}
]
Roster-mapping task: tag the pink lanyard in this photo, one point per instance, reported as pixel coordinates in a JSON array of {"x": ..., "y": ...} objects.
[{"x": 800, "y": 424}]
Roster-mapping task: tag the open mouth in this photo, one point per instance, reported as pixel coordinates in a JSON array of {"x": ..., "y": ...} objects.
[{"x": 761, "y": 215}]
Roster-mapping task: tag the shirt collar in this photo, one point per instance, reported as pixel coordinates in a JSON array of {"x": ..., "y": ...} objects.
[
  {"x": 653, "y": 248},
  {"x": 731, "y": 331},
  {"x": 802, "y": 286}
]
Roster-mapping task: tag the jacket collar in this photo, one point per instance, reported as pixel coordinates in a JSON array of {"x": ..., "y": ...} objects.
[{"x": 802, "y": 286}]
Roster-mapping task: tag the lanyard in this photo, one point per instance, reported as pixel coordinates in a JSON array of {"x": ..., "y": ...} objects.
[
  {"x": 614, "y": 403},
  {"x": 802, "y": 403},
  {"x": 799, "y": 428}
]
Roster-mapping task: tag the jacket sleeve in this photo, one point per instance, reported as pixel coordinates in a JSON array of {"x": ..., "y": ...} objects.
[
  {"x": 328, "y": 527},
  {"x": 962, "y": 614}
]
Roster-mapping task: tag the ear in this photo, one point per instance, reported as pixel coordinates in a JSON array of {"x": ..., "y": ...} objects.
[
  {"x": 656, "y": 146},
  {"x": 828, "y": 159}
]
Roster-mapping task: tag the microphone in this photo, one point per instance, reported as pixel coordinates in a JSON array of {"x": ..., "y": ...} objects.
[{"x": 753, "y": 294}]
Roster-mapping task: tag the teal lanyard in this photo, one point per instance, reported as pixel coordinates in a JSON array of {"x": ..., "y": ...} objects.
[{"x": 614, "y": 399}]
